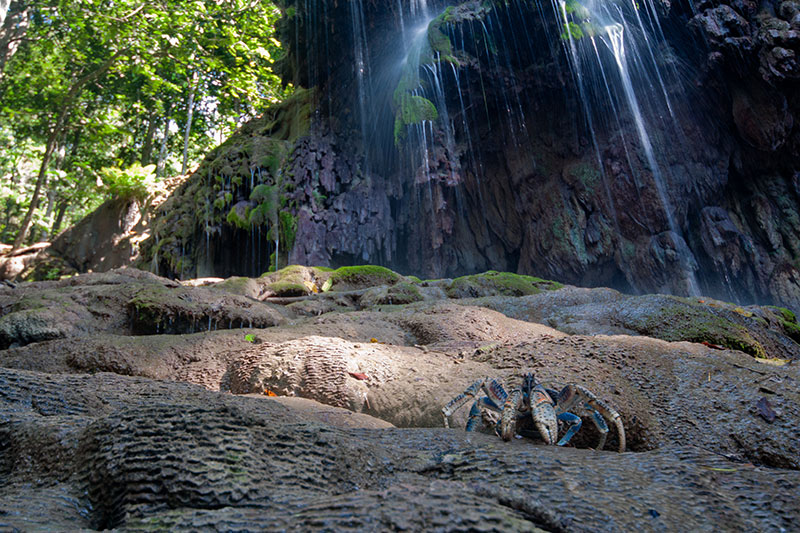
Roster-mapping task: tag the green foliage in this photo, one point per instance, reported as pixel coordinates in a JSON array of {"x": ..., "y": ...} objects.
[
  {"x": 134, "y": 182},
  {"x": 250, "y": 338},
  {"x": 112, "y": 81}
]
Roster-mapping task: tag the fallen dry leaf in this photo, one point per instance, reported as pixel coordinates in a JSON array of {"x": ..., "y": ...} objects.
[{"x": 715, "y": 346}]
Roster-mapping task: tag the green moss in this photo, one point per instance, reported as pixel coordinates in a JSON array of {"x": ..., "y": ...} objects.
[
  {"x": 363, "y": 276},
  {"x": 404, "y": 293},
  {"x": 413, "y": 109},
  {"x": 786, "y": 314},
  {"x": 234, "y": 285},
  {"x": 494, "y": 283},
  {"x": 416, "y": 109},
  {"x": 288, "y": 225},
  {"x": 788, "y": 322},
  {"x": 682, "y": 319},
  {"x": 318, "y": 197},
  {"x": 295, "y": 280},
  {"x": 287, "y": 289},
  {"x": 399, "y": 130},
  {"x": 239, "y": 217},
  {"x": 572, "y": 30},
  {"x": 440, "y": 43}
]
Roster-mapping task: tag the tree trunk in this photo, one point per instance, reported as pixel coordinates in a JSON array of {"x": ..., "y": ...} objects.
[
  {"x": 52, "y": 141},
  {"x": 61, "y": 210},
  {"x": 189, "y": 113},
  {"x": 162, "y": 154},
  {"x": 51, "y": 202},
  {"x": 147, "y": 148},
  {"x": 14, "y": 24},
  {"x": 3, "y": 9}
]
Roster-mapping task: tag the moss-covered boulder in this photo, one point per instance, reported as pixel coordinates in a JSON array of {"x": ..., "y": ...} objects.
[
  {"x": 360, "y": 277},
  {"x": 787, "y": 321},
  {"x": 294, "y": 280},
  {"x": 672, "y": 318},
  {"x": 400, "y": 294},
  {"x": 239, "y": 285},
  {"x": 494, "y": 283}
]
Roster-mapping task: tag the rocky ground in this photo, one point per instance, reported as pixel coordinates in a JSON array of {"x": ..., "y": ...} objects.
[{"x": 311, "y": 399}]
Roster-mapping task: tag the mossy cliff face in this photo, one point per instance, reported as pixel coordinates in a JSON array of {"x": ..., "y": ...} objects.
[
  {"x": 516, "y": 182},
  {"x": 238, "y": 206}
]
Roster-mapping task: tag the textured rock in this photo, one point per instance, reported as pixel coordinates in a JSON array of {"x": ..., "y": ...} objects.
[
  {"x": 137, "y": 455},
  {"x": 122, "y": 301},
  {"x": 712, "y": 434}
]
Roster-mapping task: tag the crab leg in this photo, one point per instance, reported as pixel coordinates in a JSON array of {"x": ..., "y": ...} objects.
[
  {"x": 477, "y": 414},
  {"x": 455, "y": 404},
  {"x": 574, "y": 422},
  {"x": 601, "y": 425},
  {"x": 573, "y": 394}
]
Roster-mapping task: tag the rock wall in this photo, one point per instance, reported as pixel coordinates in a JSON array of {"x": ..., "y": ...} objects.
[{"x": 517, "y": 164}]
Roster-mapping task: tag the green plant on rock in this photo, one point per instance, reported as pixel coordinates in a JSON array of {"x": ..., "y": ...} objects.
[
  {"x": 404, "y": 293},
  {"x": 682, "y": 319},
  {"x": 134, "y": 182},
  {"x": 579, "y": 24}
]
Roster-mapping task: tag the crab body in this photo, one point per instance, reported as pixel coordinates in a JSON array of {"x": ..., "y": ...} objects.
[{"x": 546, "y": 407}]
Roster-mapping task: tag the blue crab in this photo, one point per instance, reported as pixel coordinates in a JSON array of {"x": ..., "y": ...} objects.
[{"x": 501, "y": 411}]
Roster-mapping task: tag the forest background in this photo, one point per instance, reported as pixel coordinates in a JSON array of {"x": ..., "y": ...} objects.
[{"x": 106, "y": 98}]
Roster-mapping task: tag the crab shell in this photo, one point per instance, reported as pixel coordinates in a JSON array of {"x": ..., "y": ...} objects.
[{"x": 544, "y": 414}]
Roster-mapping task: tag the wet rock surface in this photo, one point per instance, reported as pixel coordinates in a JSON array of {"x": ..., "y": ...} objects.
[{"x": 101, "y": 429}]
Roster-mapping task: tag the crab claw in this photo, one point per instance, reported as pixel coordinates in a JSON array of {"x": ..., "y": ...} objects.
[
  {"x": 508, "y": 420},
  {"x": 544, "y": 415}
]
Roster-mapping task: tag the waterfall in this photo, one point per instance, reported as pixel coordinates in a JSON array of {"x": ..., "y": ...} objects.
[
  {"x": 361, "y": 55},
  {"x": 431, "y": 81}
]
